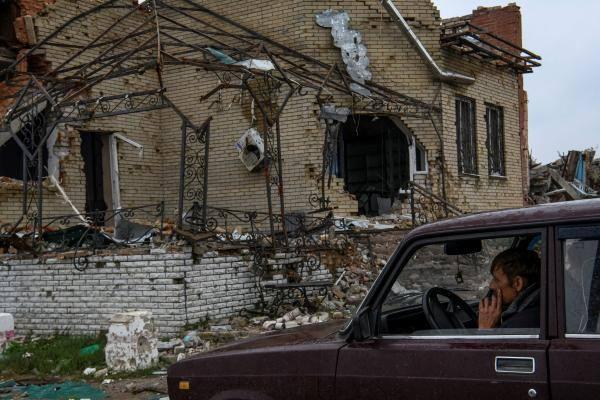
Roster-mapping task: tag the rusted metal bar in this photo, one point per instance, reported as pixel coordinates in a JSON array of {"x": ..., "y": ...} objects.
[
  {"x": 178, "y": 112},
  {"x": 91, "y": 44},
  {"x": 182, "y": 173},
  {"x": 220, "y": 87},
  {"x": 102, "y": 61},
  {"x": 206, "y": 128},
  {"x": 89, "y": 85},
  {"x": 212, "y": 26},
  {"x": 111, "y": 48},
  {"x": 500, "y": 39},
  {"x": 18, "y": 102},
  {"x": 280, "y": 177},
  {"x": 25, "y": 175},
  {"x": 327, "y": 77},
  {"x": 268, "y": 122},
  {"x": 193, "y": 30},
  {"x": 40, "y": 193}
]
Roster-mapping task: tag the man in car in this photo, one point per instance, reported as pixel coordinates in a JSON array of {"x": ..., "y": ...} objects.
[{"x": 515, "y": 287}]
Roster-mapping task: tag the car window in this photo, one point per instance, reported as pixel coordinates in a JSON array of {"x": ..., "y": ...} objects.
[
  {"x": 582, "y": 285},
  {"x": 465, "y": 273}
]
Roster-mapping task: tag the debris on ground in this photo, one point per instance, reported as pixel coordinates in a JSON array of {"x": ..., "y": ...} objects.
[
  {"x": 50, "y": 391},
  {"x": 575, "y": 176}
]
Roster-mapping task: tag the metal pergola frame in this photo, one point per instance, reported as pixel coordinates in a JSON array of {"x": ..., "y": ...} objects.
[{"x": 184, "y": 33}]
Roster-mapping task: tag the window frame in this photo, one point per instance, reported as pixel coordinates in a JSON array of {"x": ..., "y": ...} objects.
[
  {"x": 589, "y": 230},
  {"x": 459, "y": 100},
  {"x": 408, "y": 252},
  {"x": 501, "y": 141},
  {"x": 27, "y": 167},
  {"x": 421, "y": 149}
]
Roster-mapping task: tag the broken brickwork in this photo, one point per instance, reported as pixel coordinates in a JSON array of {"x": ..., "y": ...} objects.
[
  {"x": 152, "y": 176},
  {"x": 48, "y": 295}
]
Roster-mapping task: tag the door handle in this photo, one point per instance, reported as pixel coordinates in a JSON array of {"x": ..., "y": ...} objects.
[{"x": 515, "y": 365}]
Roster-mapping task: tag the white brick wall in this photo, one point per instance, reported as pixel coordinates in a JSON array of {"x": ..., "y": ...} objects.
[{"x": 54, "y": 297}]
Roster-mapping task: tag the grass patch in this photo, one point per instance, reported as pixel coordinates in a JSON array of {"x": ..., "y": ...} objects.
[{"x": 58, "y": 355}]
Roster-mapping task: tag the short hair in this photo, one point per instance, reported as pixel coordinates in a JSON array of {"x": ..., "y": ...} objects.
[{"x": 518, "y": 262}]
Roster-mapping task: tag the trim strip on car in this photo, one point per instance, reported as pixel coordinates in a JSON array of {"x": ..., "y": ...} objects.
[
  {"x": 581, "y": 336},
  {"x": 470, "y": 337}
]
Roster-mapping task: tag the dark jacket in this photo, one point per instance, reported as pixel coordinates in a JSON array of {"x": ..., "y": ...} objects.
[{"x": 524, "y": 312}]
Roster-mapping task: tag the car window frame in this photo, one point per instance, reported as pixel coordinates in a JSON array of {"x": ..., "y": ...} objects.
[
  {"x": 409, "y": 249},
  {"x": 561, "y": 233}
]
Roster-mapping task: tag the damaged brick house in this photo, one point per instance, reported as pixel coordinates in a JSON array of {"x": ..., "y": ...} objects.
[
  {"x": 442, "y": 104},
  {"x": 274, "y": 108}
]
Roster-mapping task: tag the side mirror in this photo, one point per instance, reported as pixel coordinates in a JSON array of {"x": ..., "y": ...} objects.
[{"x": 361, "y": 325}]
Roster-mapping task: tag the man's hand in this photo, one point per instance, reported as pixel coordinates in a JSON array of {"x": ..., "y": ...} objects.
[{"x": 490, "y": 311}]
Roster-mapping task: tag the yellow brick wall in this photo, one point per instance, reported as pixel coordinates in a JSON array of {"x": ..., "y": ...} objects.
[
  {"x": 394, "y": 63},
  {"x": 140, "y": 178}
]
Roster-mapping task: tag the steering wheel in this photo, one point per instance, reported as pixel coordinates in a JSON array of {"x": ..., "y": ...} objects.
[{"x": 446, "y": 316}]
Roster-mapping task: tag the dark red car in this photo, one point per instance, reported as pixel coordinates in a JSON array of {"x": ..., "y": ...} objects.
[{"x": 411, "y": 340}]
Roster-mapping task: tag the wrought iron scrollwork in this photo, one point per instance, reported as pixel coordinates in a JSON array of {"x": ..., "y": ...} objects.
[
  {"x": 106, "y": 106},
  {"x": 426, "y": 207},
  {"x": 85, "y": 234},
  {"x": 193, "y": 180}
]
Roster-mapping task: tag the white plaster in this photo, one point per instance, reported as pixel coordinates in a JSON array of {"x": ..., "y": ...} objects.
[{"x": 131, "y": 342}]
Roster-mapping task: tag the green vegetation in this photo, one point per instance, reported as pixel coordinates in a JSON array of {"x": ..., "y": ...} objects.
[{"x": 58, "y": 355}]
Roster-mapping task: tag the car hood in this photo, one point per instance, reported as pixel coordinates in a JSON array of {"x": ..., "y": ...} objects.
[
  {"x": 315, "y": 333},
  {"x": 305, "y": 335},
  {"x": 302, "y": 359}
]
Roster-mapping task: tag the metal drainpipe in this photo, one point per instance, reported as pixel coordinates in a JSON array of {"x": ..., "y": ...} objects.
[{"x": 442, "y": 75}]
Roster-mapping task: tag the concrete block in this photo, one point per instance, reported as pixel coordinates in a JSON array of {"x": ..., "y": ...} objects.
[
  {"x": 7, "y": 329},
  {"x": 131, "y": 342}
]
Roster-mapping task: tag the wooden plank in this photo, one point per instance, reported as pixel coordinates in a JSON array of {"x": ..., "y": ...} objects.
[{"x": 574, "y": 194}]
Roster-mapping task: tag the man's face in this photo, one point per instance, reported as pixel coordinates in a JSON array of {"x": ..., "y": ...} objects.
[{"x": 501, "y": 282}]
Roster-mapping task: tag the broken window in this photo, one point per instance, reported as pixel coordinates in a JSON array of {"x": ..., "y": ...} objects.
[
  {"x": 374, "y": 161},
  {"x": 12, "y": 158},
  {"x": 494, "y": 117},
  {"x": 466, "y": 136}
]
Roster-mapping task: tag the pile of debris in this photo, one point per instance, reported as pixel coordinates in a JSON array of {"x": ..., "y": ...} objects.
[{"x": 575, "y": 176}]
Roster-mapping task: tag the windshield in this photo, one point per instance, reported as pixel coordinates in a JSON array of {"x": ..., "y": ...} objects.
[{"x": 468, "y": 275}]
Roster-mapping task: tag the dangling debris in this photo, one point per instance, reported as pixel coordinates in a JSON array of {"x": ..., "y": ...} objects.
[
  {"x": 354, "y": 52},
  {"x": 251, "y": 148},
  {"x": 331, "y": 112}
]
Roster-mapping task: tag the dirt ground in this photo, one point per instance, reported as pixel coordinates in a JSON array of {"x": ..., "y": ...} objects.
[{"x": 148, "y": 388}]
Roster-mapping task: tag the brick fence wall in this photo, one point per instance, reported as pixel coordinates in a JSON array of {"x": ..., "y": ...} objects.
[{"x": 53, "y": 296}]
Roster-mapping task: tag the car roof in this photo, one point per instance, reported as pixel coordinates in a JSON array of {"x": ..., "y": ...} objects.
[{"x": 547, "y": 214}]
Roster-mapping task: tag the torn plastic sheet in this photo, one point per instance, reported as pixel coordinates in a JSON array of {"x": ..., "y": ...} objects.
[
  {"x": 55, "y": 391},
  {"x": 127, "y": 232},
  {"x": 251, "y": 149},
  {"x": 219, "y": 55},
  {"x": 331, "y": 112},
  {"x": 356, "y": 88},
  {"x": 262, "y": 65},
  {"x": 354, "y": 52},
  {"x": 343, "y": 224}
]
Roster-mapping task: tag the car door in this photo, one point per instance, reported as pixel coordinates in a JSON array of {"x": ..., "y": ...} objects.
[
  {"x": 446, "y": 366},
  {"x": 574, "y": 356}
]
